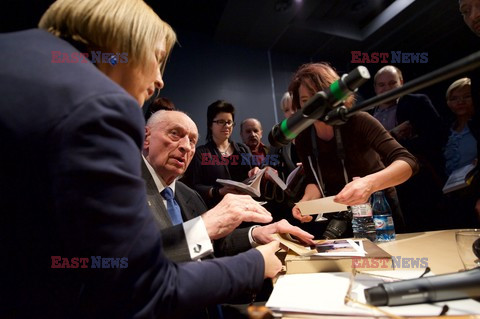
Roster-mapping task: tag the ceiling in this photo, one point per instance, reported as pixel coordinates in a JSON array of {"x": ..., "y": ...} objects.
[
  {"x": 304, "y": 27},
  {"x": 308, "y": 27}
]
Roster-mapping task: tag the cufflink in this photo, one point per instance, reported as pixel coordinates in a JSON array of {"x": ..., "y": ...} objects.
[{"x": 197, "y": 248}]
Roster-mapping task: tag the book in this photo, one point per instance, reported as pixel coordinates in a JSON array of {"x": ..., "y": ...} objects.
[
  {"x": 251, "y": 185},
  {"x": 460, "y": 178}
]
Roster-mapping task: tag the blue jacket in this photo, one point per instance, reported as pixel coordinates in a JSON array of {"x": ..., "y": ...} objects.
[{"x": 71, "y": 188}]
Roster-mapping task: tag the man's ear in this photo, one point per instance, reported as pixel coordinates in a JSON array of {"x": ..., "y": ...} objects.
[{"x": 148, "y": 135}]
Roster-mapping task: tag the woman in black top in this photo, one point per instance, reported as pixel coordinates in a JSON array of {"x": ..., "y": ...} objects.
[{"x": 220, "y": 157}]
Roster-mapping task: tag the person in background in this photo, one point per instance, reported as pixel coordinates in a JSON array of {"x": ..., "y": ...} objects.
[
  {"x": 360, "y": 171},
  {"x": 286, "y": 159},
  {"x": 82, "y": 243},
  {"x": 461, "y": 150},
  {"x": 251, "y": 133},
  {"x": 414, "y": 122},
  {"x": 159, "y": 103},
  {"x": 220, "y": 157},
  {"x": 286, "y": 105},
  {"x": 470, "y": 10}
]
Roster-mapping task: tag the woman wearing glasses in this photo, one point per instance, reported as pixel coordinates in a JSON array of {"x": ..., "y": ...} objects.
[
  {"x": 461, "y": 150},
  {"x": 220, "y": 157}
]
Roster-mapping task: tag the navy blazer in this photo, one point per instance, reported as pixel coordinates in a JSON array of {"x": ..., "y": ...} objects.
[
  {"x": 71, "y": 186},
  {"x": 192, "y": 205}
]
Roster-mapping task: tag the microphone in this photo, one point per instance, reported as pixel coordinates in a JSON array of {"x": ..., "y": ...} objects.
[
  {"x": 315, "y": 109},
  {"x": 453, "y": 286}
]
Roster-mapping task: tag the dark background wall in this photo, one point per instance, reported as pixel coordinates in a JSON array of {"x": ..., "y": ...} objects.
[
  {"x": 246, "y": 51},
  {"x": 201, "y": 71}
]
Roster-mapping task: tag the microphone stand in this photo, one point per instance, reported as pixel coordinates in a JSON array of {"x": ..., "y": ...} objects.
[{"x": 341, "y": 114}]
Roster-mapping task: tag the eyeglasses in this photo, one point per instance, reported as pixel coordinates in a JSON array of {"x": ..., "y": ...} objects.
[
  {"x": 224, "y": 123},
  {"x": 350, "y": 300},
  {"x": 456, "y": 99}
]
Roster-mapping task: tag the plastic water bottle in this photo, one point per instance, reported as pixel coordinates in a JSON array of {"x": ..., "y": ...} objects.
[
  {"x": 362, "y": 222},
  {"x": 382, "y": 217}
]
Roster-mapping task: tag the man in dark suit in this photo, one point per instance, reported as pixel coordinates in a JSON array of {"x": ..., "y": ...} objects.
[
  {"x": 80, "y": 239},
  {"x": 414, "y": 122},
  {"x": 166, "y": 157}
]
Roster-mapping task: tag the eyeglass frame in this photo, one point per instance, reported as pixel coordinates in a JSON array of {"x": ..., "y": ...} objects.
[
  {"x": 458, "y": 99},
  {"x": 225, "y": 123}
]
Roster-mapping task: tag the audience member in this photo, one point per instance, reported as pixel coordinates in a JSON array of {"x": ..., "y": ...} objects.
[
  {"x": 470, "y": 10},
  {"x": 461, "y": 150},
  {"x": 286, "y": 159},
  {"x": 221, "y": 157},
  {"x": 414, "y": 122},
  {"x": 159, "y": 103},
  {"x": 354, "y": 174},
  {"x": 83, "y": 243},
  {"x": 286, "y": 105},
  {"x": 251, "y": 133}
]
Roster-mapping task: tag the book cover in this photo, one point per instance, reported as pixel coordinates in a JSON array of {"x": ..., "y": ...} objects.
[
  {"x": 251, "y": 185},
  {"x": 460, "y": 178}
]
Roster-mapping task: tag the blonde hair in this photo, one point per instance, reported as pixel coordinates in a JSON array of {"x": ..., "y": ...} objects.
[
  {"x": 286, "y": 100},
  {"x": 460, "y": 83},
  {"x": 129, "y": 26}
]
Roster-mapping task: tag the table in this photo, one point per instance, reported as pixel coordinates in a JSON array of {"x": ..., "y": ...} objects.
[{"x": 438, "y": 246}]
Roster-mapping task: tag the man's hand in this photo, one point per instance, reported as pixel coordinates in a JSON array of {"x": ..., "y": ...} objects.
[
  {"x": 262, "y": 234},
  {"x": 272, "y": 264},
  {"x": 231, "y": 212}
]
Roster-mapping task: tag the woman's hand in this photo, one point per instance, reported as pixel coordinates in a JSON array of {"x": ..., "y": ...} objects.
[
  {"x": 356, "y": 192},
  {"x": 298, "y": 215}
]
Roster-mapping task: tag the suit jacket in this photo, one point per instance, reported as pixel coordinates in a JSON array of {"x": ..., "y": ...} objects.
[
  {"x": 71, "y": 188},
  {"x": 191, "y": 205}
]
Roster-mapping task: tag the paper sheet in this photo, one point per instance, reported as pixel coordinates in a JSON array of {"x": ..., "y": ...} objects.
[
  {"x": 320, "y": 206},
  {"x": 323, "y": 293}
]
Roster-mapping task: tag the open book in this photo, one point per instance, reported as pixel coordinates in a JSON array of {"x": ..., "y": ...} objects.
[
  {"x": 460, "y": 178},
  {"x": 251, "y": 185}
]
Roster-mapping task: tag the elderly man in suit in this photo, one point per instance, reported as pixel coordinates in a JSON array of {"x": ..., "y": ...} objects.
[{"x": 169, "y": 147}]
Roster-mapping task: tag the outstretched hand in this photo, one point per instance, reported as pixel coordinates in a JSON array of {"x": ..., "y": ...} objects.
[
  {"x": 356, "y": 192},
  {"x": 262, "y": 234},
  {"x": 231, "y": 212},
  {"x": 298, "y": 215}
]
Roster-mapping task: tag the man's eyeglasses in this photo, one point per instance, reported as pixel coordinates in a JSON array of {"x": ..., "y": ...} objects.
[
  {"x": 224, "y": 123},
  {"x": 456, "y": 99}
]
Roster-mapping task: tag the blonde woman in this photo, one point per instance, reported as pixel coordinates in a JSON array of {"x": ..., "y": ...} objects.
[{"x": 80, "y": 239}]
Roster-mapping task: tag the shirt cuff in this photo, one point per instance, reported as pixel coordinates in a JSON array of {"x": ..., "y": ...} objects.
[
  {"x": 198, "y": 241},
  {"x": 250, "y": 237}
]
